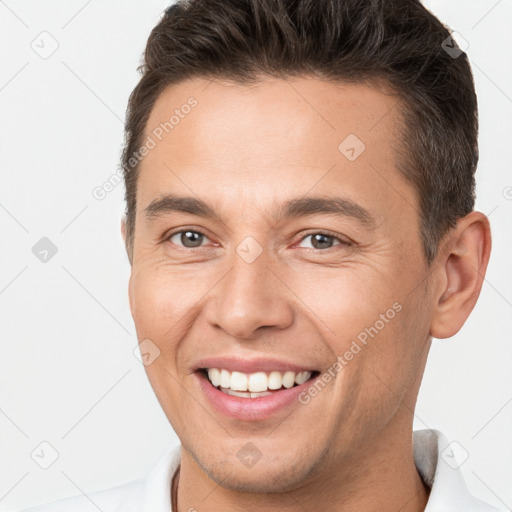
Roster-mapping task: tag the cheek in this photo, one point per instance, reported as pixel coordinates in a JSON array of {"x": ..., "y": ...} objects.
[
  {"x": 368, "y": 322},
  {"x": 342, "y": 302},
  {"x": 145, "y": 297},
  {"x": 158, "y": 298},
  {"x": 157, "y": 307},
  {"x": 164, "y": 302},
  {"x": 394, "y": 351}
]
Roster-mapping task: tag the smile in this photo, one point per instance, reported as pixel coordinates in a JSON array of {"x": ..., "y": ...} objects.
[{"x": 255, "y": 385}]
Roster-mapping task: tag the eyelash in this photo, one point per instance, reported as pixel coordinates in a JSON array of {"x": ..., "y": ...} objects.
[{"x": 321, "y": 232}]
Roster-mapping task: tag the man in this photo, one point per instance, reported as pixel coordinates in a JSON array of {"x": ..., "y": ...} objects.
[{"x": 300, "y": 225}]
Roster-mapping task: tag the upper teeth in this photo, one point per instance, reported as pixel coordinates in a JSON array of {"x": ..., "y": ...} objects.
[{"x": 255, "y": 382}]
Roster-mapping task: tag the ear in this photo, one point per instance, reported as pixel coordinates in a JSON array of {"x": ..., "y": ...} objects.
[
  {"x": 123, "y": 228},
  {"x": 462, "y": 266},
  {"x": 123, "y": 234}
]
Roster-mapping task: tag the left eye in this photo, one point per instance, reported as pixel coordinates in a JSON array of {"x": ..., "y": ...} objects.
[
  {"x": 188, "y": 238},
  {"x": 324, "y": 240}
]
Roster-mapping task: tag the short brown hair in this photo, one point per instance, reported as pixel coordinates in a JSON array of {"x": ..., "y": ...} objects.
[{"x": 356, "y": 41}]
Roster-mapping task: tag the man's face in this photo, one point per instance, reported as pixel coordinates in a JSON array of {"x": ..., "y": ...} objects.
[{"x": 259, "y": 287}]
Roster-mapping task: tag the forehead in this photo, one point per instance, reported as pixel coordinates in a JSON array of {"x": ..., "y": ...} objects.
[
  {"x": 226, "y": 111},
  {"x": 267, "y": 141}
]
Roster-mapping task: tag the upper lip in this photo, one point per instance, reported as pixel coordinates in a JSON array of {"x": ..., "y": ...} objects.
[{"x": 237, "y": 364}]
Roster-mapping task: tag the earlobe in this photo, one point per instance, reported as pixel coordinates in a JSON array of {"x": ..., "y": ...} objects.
[{"x": 463, "y": 266}]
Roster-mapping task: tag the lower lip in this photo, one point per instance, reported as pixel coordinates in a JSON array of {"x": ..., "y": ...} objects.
[{"x": 251, "y": 409}]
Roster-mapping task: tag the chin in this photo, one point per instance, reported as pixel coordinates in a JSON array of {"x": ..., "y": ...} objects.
[
  {"x": 278, "y": 475},
  {"x": 262, "y": 482}
]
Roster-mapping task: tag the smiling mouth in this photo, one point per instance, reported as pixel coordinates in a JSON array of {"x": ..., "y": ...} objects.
[{"x": 255, "y": 385}]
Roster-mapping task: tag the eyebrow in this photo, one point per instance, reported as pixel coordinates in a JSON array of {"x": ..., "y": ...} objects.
[{"x": 293, "y": 208}]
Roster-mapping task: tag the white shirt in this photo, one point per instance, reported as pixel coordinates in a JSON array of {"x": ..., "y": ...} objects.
[{"x": 153, "y": 493}]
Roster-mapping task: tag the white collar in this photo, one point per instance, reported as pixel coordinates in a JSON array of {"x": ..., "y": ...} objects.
[{"x": 448, "y": 491}]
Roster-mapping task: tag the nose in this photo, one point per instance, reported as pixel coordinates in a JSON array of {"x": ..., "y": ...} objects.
[{"x": 250, "y": 297}]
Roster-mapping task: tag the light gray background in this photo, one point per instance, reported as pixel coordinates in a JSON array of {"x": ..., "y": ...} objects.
[{"x": 68, "y": 375}]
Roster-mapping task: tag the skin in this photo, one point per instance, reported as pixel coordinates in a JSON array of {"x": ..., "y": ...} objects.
[{"x": 245, "y": 150}]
